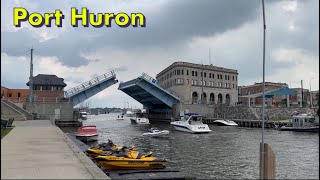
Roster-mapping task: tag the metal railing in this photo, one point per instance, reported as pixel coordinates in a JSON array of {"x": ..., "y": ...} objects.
[
  {"x": 48, "y": 100},
  {"x": 154, "y": 81},
  {"x": 88, "y": 84}
]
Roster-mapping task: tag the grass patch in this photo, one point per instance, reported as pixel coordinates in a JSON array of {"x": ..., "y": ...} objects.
[
  {"x": 4, "y": 132},
  {"x": 279, "y": 119}
]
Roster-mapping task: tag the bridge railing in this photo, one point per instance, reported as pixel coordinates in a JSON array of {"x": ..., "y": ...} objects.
[
  {"x": 154, "y": 81},
  {"x": 88, "y": 84},
  {"x": 148, "y": 78}
]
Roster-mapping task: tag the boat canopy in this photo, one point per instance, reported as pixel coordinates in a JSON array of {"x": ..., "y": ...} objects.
[{"x": 283, "y": 91}]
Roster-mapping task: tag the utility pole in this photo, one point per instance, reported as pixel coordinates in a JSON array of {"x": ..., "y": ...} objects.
[
  {"x": 202, "y": 90},
  {"x": 310, "y": 93},
  {"x": 263, "y": 94},
  {"x": 210, "y": 56},
  {"x": 301, "y": 102},
  {"x": 31, "y": 78}
]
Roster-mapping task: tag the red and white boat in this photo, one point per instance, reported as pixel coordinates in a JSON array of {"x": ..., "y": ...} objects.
[{"x": 87, "y": 133}]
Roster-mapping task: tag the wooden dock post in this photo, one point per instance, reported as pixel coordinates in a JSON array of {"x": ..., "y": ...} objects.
[{"x": 268, "y": 163}]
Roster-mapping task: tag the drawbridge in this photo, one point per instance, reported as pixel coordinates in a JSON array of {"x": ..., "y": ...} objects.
[
  {"x": 145, "y": 90},
  {"x": 90, "y": 88}
]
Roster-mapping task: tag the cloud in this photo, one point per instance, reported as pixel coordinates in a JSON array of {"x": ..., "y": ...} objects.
[{"x": 176, "y": 31}]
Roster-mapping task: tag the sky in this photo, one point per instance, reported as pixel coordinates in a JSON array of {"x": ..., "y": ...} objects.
[{"x": 176, "y": 30}]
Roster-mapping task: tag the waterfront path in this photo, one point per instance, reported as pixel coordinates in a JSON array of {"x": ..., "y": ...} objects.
[{"x": 37, "y": 149}]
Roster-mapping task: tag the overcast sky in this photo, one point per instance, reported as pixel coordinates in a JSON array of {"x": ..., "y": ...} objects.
[{"x": 180, "y": 30}]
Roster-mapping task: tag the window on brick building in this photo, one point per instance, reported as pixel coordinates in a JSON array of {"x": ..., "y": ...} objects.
[
  {"x": 10, "y": 95},
  {"x": 218, "y": 76},
  {"x": 205, "y": 74},
  {"x": 192, "y": 72},
  {"x": 209, "y": 75},
  {"x": 19, "y": 94},
  {"x": 187, "y": 72},
  {"x": 196, "y": 73}
]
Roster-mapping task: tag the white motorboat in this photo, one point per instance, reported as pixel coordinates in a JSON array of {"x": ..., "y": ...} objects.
[
  {"x": 139, "y": 118},
  {"x": 301, "y": 123},
  {"x": 224, "y": 122},
  {"x": 83, "y": 115},
  {"x": 120, "y": 117},
  {"x": 155, "y": 132},
  {"x": 191, "y": 123},
  {"x": 129, "y": 113}
]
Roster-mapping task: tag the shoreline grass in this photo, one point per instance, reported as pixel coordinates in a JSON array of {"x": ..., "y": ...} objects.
[{"x": 6, "y": 131}]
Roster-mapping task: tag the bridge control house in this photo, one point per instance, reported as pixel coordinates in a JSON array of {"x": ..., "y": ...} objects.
[{"x": 217, "y": 85}]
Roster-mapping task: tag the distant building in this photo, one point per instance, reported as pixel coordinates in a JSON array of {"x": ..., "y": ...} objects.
[
  {"x": 296, "y": 98},
  {"x": 256, "y": 89},
  {"x": 255, "y": 93},
  {"x": 188, "y": 80},
  {"x": 15, "y": 95},
  {"x": 314, "y": 98},
  {"x": 48, "y": 86}
]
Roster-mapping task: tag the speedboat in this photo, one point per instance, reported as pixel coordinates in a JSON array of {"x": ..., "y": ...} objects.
[
  {"x": 301, "y": 123},
  {"x": 129, "y": 113},
  {"x": 191, "y": 123},
  {"x": 155, "y": 132},
  {"x": 83, "y": 115},
  {"x": 120, "y": 117},
  {"x": 87, "y": 133},
  {"x": 223, "y": 122},
  {"x": 139, "y": 118}
]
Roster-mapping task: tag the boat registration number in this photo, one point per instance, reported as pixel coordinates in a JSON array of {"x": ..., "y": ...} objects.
[
  {"x": 135, "y": 162},
  {"x": 201, "y": 127}
]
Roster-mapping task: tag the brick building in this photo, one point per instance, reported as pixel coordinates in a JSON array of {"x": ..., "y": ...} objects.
[
  {"x": 219, "y": 85},
  {"x": 47, "y": 86},
  {"x": 15, "y": 95},
  {"x": 255, "y": 92}
]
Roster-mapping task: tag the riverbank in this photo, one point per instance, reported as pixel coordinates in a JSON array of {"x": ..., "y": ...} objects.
[
  {"x": 36, "y": 149},
  {"x": 4, "y": 132}
]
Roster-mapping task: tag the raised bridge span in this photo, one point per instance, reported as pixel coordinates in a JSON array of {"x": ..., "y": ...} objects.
[
  {"x": 90, "y": 88},
  {"x": 145, "y": 90}
]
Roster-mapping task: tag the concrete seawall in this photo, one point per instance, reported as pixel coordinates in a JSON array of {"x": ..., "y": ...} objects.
[{"x": 37, "y": 149}]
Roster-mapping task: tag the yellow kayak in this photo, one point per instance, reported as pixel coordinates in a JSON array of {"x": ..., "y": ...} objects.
[{"x": 119, "y": 163}]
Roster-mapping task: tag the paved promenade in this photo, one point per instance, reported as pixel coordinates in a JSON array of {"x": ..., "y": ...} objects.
[{"x": 36, "y": 149}]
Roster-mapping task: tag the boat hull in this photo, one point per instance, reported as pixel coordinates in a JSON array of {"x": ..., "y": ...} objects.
[
  {"x": 311, "y": 129},
  {"x": 130, "y": 164},
  {"x": 139, "y": 121},
  {"x": 87, "y": 138},
  {"x": 224, "y": 123},
  {"x": 157, "y": 134},
  {"x": 196, "y": 130}
]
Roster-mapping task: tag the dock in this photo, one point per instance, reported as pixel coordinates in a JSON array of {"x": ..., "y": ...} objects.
[
  {"x": 160, "y": 174},
  {"x": 252, "y": 123},
  {"x": 37, "y": 149}
]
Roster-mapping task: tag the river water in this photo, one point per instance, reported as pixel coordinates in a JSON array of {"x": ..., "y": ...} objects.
[{"x": 225, "y": 153}]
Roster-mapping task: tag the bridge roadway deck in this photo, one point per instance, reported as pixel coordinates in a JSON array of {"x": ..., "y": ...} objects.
[{"x": 36, "y": 149}]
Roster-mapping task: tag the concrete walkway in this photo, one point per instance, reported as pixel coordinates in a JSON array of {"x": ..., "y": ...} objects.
[{"x": 36, "y": 149}]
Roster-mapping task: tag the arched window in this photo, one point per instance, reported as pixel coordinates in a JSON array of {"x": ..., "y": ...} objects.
[
  {"x": 211, "y": 98},
  {"x": 219, "y": 98},
  {"x": 194, "y": 97},
  {"x": 227, "y": 99}
]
